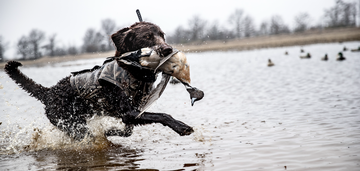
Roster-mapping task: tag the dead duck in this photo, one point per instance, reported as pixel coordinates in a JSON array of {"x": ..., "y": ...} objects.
[
  {"x": 270, "y": 63},
  {"x": 340, "y": 57},
  {"x": 325, "y": 58},
  {"x": 307, "y": 56}
]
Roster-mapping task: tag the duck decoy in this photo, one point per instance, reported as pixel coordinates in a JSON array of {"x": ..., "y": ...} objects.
[
  {"x": 307, "y": 56},
  {"x": 340, "y": 57},
  {"x": 325, "y": 58},
  {"x": 270, "y": 63},
  {"x": 356, "y": 50}
]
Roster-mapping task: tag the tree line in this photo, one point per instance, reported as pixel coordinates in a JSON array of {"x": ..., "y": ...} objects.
[
  {"x": 241, "y": 25},
  {"x": 36, "y": 44}
]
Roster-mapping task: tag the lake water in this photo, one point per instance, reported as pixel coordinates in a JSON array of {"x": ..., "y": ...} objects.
[{"x": 301, "y": 114}]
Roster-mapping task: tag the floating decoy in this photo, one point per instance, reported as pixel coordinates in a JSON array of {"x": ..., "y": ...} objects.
[
  {"x": 270, "y": 63},
  {"x": 340, "y": 57},
  {"x": 325, "y": 58},
  {"x": 356, "y": 50},
  {"x": 307, "y": 56}
]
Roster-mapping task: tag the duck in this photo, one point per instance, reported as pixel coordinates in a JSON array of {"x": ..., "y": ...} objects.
[
  {"x": 302, "y": 50},
  {"x": 344, "y": 49},
  {"x": 286, "y": 53},
  {"x": 270, "y": 63},
  {"x": 340, "y": 57},
  {"x": 356, "y": 50},
  {"x": 325, "y": 58},
  {"x": 307, "y": 56}
]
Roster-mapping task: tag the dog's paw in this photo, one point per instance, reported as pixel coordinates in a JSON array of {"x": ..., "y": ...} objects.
[{"x": 187, "y": 131}]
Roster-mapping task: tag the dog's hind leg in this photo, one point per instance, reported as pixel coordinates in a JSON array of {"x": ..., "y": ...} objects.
[
  {"x": 74, "y": 128},
  {"x": 165, "y": 119}
]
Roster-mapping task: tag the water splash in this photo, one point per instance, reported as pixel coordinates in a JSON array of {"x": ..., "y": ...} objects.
[
  {"x": 200, "y": 135},
  {"x": 15, "y": 139}
]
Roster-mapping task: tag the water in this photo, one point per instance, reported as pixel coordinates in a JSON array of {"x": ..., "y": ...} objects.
[{"x": 301, "y": 114}]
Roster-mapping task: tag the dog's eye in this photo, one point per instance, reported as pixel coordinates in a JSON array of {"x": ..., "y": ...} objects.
[{"x": 147, "y": 36}]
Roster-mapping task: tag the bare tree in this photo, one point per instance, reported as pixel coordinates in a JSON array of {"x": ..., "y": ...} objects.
[
  {"x": 180, "y": 35},
  {"x": 93, "y": 41},
  {"x": 23, "y": 46},
  {"x": 108, "y": 27},
  {"x": 3, "y": 47},
  {"x": 341, "y": 15},
  {"x": 35, "y": 38},
  {"x": 248, "y": 26},
  {"x": 277, "y": 25},
  {"x": 235, "y": 19},
  {"x": 302, "y": 22},
  {"x": 50, "y": 47},
  {"x": 264, "y": 28},
  {"x": 72, "y": 50},
  {"x": 197, "y": 26},
  {"x": 60, "y": 51},
  {"x": 214, "y": 32}
]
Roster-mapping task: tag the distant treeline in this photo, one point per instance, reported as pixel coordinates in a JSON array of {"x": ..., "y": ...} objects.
[{"x": 36, "y": 44}]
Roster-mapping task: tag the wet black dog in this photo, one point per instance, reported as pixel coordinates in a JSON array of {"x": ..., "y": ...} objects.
[{"x": 68, "y": 111}]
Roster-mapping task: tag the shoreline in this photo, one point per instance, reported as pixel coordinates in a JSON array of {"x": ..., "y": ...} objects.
[{"x": 295, "y": 39}]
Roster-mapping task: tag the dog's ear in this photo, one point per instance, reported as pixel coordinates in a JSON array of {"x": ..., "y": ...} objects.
[{"x": 120, "y": 39}]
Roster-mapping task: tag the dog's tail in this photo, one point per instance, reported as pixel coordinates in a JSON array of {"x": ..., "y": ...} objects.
[{"x": 36, "y": 90}]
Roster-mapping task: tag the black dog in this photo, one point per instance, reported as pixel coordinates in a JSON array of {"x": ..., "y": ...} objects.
[{"x": 68, "y": 110}]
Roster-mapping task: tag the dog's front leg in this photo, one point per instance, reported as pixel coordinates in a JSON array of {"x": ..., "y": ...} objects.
[
  {"x": 163, "y": 118},
  {"x": 122, "y": 133}
]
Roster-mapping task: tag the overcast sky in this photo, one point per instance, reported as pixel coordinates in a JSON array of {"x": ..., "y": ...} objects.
[{"x": 70, "y": 19}]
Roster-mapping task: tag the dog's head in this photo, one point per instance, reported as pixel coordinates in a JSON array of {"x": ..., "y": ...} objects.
[{"x": 140, "y": 35}]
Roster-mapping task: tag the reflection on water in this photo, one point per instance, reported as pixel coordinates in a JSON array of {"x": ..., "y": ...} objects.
[
  {"x": 301, "y": 114},
  {"x": 114, "y": 156}
]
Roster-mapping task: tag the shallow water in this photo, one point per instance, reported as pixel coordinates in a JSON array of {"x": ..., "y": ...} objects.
[{"x": 301, "y": 114}]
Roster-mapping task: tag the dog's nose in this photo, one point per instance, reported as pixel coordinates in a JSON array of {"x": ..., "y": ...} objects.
[{"x": 165, "y": 50}]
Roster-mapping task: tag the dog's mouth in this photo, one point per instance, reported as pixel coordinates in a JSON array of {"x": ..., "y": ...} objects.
[{"x": 176, "y": 65}]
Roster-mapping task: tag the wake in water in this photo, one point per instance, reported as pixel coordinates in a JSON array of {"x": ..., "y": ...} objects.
[{"x": 15, "y": 139}]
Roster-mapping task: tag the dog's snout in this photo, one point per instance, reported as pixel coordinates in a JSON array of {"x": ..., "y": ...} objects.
[{"x": 165, "y": 50}]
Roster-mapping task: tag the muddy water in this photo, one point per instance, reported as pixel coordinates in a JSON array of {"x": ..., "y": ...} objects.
[{"x": 301, "y": 114}]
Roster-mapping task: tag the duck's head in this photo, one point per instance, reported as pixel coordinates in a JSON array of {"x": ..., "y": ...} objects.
[{"x": 340, "y": 54}]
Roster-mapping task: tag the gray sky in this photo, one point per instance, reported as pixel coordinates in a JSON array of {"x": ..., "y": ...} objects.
[{"x": 69, "y": 19}]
